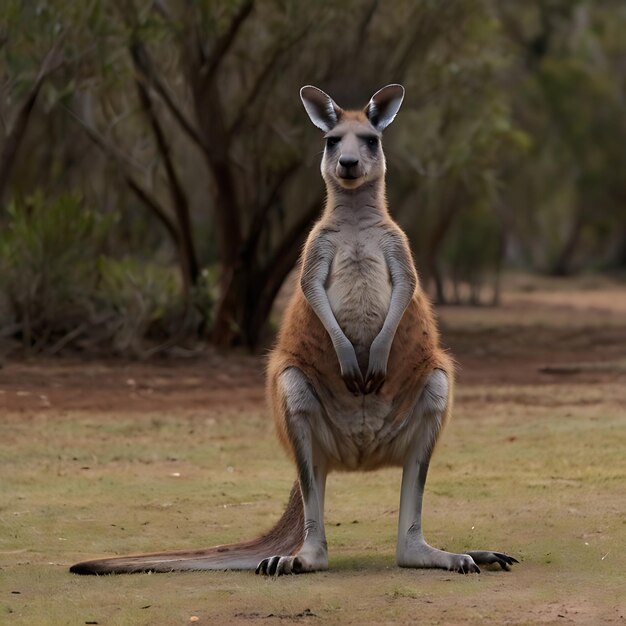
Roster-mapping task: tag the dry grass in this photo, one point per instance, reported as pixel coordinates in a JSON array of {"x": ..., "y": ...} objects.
[{"x": 535, "y": 468}]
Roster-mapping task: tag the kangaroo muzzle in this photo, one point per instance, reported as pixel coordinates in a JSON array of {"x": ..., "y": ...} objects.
[{"x": 348, "y": 168}]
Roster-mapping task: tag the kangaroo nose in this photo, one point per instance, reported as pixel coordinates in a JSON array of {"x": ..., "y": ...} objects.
[{"x": 348, "y": 161}]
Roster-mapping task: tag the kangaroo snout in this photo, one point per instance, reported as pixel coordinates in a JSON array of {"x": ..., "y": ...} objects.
[
  {"x": 348, "y": 168},
  {"x": 348, "y": 161}
]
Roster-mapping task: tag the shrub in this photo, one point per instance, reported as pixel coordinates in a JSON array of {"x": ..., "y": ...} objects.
[
  {"x": 58, "y": 288},
  {"x": 142, "y": 301},
  {"x": 47, "y": 272}
]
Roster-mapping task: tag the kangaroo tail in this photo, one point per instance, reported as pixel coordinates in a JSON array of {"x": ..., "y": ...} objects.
[{"x": 286, "y": 537}]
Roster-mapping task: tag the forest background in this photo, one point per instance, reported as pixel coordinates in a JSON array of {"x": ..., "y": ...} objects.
[{"x": 158, "y": 174}]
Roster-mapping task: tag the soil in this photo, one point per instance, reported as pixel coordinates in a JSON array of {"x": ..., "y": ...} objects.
[
  {"x": 540, "y": 337},
  {"x": 108, "y": 456}
]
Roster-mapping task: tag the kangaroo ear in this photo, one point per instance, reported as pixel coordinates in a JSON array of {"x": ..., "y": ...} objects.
[
  {"x": 384, "y": 105},
  {"x": 322, "y": 109}
]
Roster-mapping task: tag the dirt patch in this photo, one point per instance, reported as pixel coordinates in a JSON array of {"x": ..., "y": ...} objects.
[
  {"x": 78, "y": 384},
  {"x": 107, "y": 457},
  {"x": 535, "y": 337}
]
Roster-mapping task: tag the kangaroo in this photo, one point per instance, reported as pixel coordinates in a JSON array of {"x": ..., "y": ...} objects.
[{"x": 357, "y": 379}]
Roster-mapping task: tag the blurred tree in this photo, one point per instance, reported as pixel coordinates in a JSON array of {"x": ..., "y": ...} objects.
[
  {"x": 183, "y": 119},
  {"x": 571, "y": 98},
  {"x": 461, "y": 143},
  {"x": 23, "y": 84},
  {"x": 17, "y": 129},
  {"x": 238, "y": 106}
]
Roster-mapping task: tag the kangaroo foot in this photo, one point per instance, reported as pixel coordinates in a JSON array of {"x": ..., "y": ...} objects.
[
  {"x": 422, "y": 555},
  {"x": 301, "y": 563}
]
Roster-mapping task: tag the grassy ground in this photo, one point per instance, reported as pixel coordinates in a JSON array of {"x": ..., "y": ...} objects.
[{"x": 100, "y": 459}]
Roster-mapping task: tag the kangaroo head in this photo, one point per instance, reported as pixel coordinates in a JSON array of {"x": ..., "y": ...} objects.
[{"x": 353, "y": 154}]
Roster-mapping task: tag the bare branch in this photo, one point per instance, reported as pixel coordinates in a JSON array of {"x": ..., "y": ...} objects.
[
  {"x": 224, "y": 43},
  {"x": 276, "y": 270},
  {"x": 52, "y": 61},
  {"x": 145, "y": 69},
  {"x": 287, "y": 252},
  {"x": 262, "y": 80},
  {"x": 106, "y": 146},
  {"x": 154, "y": 206},
  {"x": 255, "y": 92},
  {"x": 256, "y": 228},
  {"x": 179, "y": 198},
  {"x": 144, "y": 196}
]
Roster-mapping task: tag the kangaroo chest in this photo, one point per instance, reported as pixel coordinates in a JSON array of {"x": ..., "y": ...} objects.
[{"x": 359, "y": 288}]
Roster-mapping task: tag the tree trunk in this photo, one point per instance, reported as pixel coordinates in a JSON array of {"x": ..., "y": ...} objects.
[
  {"x": 227, "y": 328},
  {"x": 186, "y": 247},
  {"x": 434, "y": 248},
  {"x": 245, "y": 306},
  {"x": 8, "y": 154},
  {"x": 562, "y": 265}
]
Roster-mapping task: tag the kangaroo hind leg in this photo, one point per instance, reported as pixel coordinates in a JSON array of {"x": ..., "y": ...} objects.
[
  {"x": 301, "y": 409},
  {"x": 412, "y": 550}
]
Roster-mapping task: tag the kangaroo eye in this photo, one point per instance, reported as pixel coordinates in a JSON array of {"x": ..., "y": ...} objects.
[
  {"x": 331, "y": 142},
  {"x": 372, "y": 142}
]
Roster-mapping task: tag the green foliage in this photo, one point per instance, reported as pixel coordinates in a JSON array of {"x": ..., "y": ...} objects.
[
  {"x": 203, "y": 296},
  {"x": 140, "y": 298},
  {"x": 58, "y": 286},
  {"x": 47, "y": 272},
  {"x": 143, "y": 300},
  {"x": 473, "y": 252},
  {"x": 512, "y": 132},
  {"x": 568, "y": 201}
]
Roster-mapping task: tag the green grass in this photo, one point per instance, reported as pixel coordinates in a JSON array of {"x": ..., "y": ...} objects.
[{"x": 537, "y": 472}]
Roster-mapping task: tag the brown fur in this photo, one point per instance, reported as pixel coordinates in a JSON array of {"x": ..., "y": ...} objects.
[
  {"x": 353, "y": 116},
  {"x": 304, "y": 343},
  {"x": 285, "y": 537}
]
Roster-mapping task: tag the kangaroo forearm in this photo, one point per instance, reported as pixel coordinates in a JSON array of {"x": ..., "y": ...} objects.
[
  {"x": 318, "y": 258},
  {"x": 404, "y": 282},
  {"x": 318, "y": 300},
  {"x": 400, "y": 299},
  {"x": 317, "y": 297}
]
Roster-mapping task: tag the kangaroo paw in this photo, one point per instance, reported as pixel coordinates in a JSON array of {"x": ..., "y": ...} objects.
[
  {"x": 283, "y": 565},
  {"x": 302, "y": 563}
]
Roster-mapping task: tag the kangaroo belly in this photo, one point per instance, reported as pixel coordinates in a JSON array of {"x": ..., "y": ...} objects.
[
  {"x": 359, "y": 292},
  {"x": 359, "y": 429}
]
